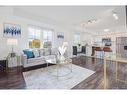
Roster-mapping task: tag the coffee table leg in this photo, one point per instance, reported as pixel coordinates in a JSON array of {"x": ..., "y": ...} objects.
[
  {"x": 105, "y": 74},
  {"x": 116, "y": 70},
  {"x": 57, "y": 67},
  {"x": 47, "y": 65},
  {"x": 71, "y": 67}
]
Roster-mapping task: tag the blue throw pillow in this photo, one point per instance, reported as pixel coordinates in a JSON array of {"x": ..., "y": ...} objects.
[{"x": 29, "y": 53}]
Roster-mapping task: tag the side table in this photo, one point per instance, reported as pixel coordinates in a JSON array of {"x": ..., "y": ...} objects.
[
  {"x": 13, "y": 61},
  {"x": 3, "y": 65}
]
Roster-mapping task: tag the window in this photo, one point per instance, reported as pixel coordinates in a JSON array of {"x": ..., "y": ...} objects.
[
  {"x": 40, "y": 37},
  {"x": 34, "y": 37},
  {"x": 47, "y": 38},
  {"x": 77, "y": 38}
]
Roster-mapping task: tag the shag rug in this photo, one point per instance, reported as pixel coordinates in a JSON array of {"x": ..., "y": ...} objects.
[{"x": 45, "y": 78}]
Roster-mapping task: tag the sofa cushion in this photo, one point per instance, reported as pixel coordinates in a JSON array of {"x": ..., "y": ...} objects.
[
  {"x": 36, "y": 60},
  {"x": 41, "y": 51},
  {"x": 36, "y": 53},
  {"x": 47, "y": 51},
  {"x": 29, "y": 53}
]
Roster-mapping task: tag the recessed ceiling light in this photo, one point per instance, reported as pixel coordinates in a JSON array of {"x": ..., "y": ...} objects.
[
  {"x": 91, "y": 21},
  {"x": 106, "y": 30}
]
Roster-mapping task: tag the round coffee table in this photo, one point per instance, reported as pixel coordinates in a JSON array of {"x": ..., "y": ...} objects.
[{"x": 62, "y": 67}]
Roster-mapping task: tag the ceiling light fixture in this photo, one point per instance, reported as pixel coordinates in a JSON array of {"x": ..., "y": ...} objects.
[{"x": 92, "y": 21}]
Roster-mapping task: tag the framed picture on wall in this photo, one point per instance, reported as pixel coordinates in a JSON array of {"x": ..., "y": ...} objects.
[
  {"x": 60, "y": 35},
  {"x": 11, "y": 30}
]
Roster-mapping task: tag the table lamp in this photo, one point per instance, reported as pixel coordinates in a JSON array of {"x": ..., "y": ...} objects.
[{"x": 12, "y": 42}]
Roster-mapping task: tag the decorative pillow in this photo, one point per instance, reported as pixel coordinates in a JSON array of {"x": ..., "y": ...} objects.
[
  {"x": 47, "y": 51},
  {"x": 41, "y": 51},
  {"x": 36, "y": 53},
  {"x": 29, "y": 53}
]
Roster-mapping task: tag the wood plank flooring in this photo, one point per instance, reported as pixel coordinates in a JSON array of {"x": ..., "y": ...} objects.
[{"x": 14, "y": 78}]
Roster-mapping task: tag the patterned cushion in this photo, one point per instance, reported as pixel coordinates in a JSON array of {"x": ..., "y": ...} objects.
[
  {"x": 29, "y": 53},
  {"x": 36, "y": 53},
  {"x": 41, "y": 51}
]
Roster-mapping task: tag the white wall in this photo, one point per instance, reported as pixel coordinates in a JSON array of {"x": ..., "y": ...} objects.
[{"x": 6, "y": 16}]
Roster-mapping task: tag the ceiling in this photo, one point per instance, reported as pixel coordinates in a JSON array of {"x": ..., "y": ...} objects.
[{"x": 73, "y": 16}]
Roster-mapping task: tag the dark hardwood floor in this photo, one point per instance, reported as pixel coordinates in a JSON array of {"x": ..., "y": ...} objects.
[
  {"x": 96, "y": 81},
  {"x": 14, "y": 78}
]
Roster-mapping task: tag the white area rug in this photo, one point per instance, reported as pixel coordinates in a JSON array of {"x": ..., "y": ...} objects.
[{"x": 42, "y": 79}]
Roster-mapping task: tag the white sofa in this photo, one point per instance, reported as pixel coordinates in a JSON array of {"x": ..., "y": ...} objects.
[{"x": 44, "y": 54}]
